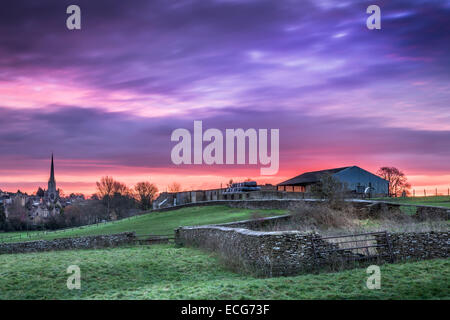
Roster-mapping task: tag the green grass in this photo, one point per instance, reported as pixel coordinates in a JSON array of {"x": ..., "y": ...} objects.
[
  {"x": 158, "y": 223},
  {"x": 166, "y": 272},
  {"x": 440, "y": 201}
]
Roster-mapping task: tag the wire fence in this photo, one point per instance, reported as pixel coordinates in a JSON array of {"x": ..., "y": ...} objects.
[{"x": 435, "y": 192}]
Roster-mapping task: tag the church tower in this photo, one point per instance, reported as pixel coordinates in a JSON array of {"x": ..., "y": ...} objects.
[{"x": 51, "y": 193}]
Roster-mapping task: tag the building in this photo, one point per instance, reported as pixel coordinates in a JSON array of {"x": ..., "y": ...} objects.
[
  {"x": 49, "y": 205},
  {"x": 52, "y": 194},
  {"x": 36, "y": 207},
  {"x": 248, "y": 190},
  {"x": 169, "y": 199},
  {"x": 356, "y": 180}
]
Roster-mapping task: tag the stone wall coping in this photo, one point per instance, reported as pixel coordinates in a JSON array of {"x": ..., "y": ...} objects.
[
  {"x": 397, "y": 233},
  {"x": 247, "y": 232},
  {"x": 254, "y": 220}
]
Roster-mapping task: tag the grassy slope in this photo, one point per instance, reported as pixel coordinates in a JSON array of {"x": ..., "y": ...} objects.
[
  {"x": 440, "y": 201},
  {"x": 165, "y": 272},
  {"x": 159, "y": 223}
]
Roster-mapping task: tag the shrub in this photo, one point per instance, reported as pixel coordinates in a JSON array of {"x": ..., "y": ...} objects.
[
  {"x": 321, "y": 216},
  {"x": 331, "y": 190}
]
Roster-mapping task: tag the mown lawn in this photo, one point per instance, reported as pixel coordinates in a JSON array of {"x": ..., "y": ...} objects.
[
  {"x": 166, "y": 272},
  {"x": 158, "y": 223}
]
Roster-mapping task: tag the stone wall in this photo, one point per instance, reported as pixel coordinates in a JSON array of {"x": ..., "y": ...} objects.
[
  {"x": 275, "y": 253},
  {"x": 424, "y": 213},
  {"x": 264, "y": 253},
  {"x": 291, "y": 252},
  {"x": 101, "y": 241},
  {"x": 417, "y": 245}
]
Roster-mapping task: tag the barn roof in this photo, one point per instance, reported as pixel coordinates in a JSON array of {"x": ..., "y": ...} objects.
[{"x": 310, "y": 177}]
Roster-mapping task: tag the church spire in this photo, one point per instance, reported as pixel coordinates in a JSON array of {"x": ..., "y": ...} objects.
[
  {"x": 52, "y": 172},
  {"x": 52, "y": 194}
]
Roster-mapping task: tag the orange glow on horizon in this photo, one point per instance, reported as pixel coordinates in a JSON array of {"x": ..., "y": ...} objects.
[{"x": 190, "y": 179}]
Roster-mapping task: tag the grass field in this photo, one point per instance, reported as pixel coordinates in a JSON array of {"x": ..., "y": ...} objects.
[
  {"x": 440, "y": 201},
  {"x": 158, "y": 223},
  {"x": 166, "y": 272}
]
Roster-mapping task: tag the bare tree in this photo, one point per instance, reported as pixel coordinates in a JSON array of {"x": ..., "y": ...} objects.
[
  {"x": 174, "y": 187},
  {"x": 106, "y": 190},
  {"x": 145, "y": 194},
  {"x": 73, "y": 215},
  {"x": 114, "y": 194},
  {"x": 398, "y": 182},
  {"x": 121, "y": 188},
  {"x": 105, "y": 187},
  {"x": 84, "y": 213},
  {"x": 17, "y": 215}
]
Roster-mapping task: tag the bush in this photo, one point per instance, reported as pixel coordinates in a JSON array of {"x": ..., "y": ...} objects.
[
  {"x": 321, "y": 216},
  {"x": 331, "y": 190}
]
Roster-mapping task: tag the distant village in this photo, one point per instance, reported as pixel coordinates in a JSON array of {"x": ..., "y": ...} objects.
[
  {"x": 115, "y": 200},
  {"x": 40, "y": 206}
]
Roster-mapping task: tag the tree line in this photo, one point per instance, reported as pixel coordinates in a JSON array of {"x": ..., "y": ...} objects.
[{"x": 113, "y": 200}]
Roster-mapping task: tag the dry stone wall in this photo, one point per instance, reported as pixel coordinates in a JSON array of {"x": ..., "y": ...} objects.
[
  {"x": 425, "y": 213},
  {"x": 90, "y": 242},
  {"x": 417, "y": 245},
  {"x": 291, "y": 252},
  {"x": 268, "y": 253}
]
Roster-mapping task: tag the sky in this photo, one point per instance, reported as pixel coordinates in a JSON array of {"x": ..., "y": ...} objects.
[{"x": 105, "y": 99}]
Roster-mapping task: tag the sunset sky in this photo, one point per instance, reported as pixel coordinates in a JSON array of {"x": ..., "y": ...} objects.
[{"x": 105, "y": 99}]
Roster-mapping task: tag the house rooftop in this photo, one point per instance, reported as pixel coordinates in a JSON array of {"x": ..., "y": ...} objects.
[{"x": 310, "y": 177}]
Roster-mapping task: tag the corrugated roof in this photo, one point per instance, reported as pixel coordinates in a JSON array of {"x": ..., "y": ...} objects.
[{"x": 310, "y": 177}]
